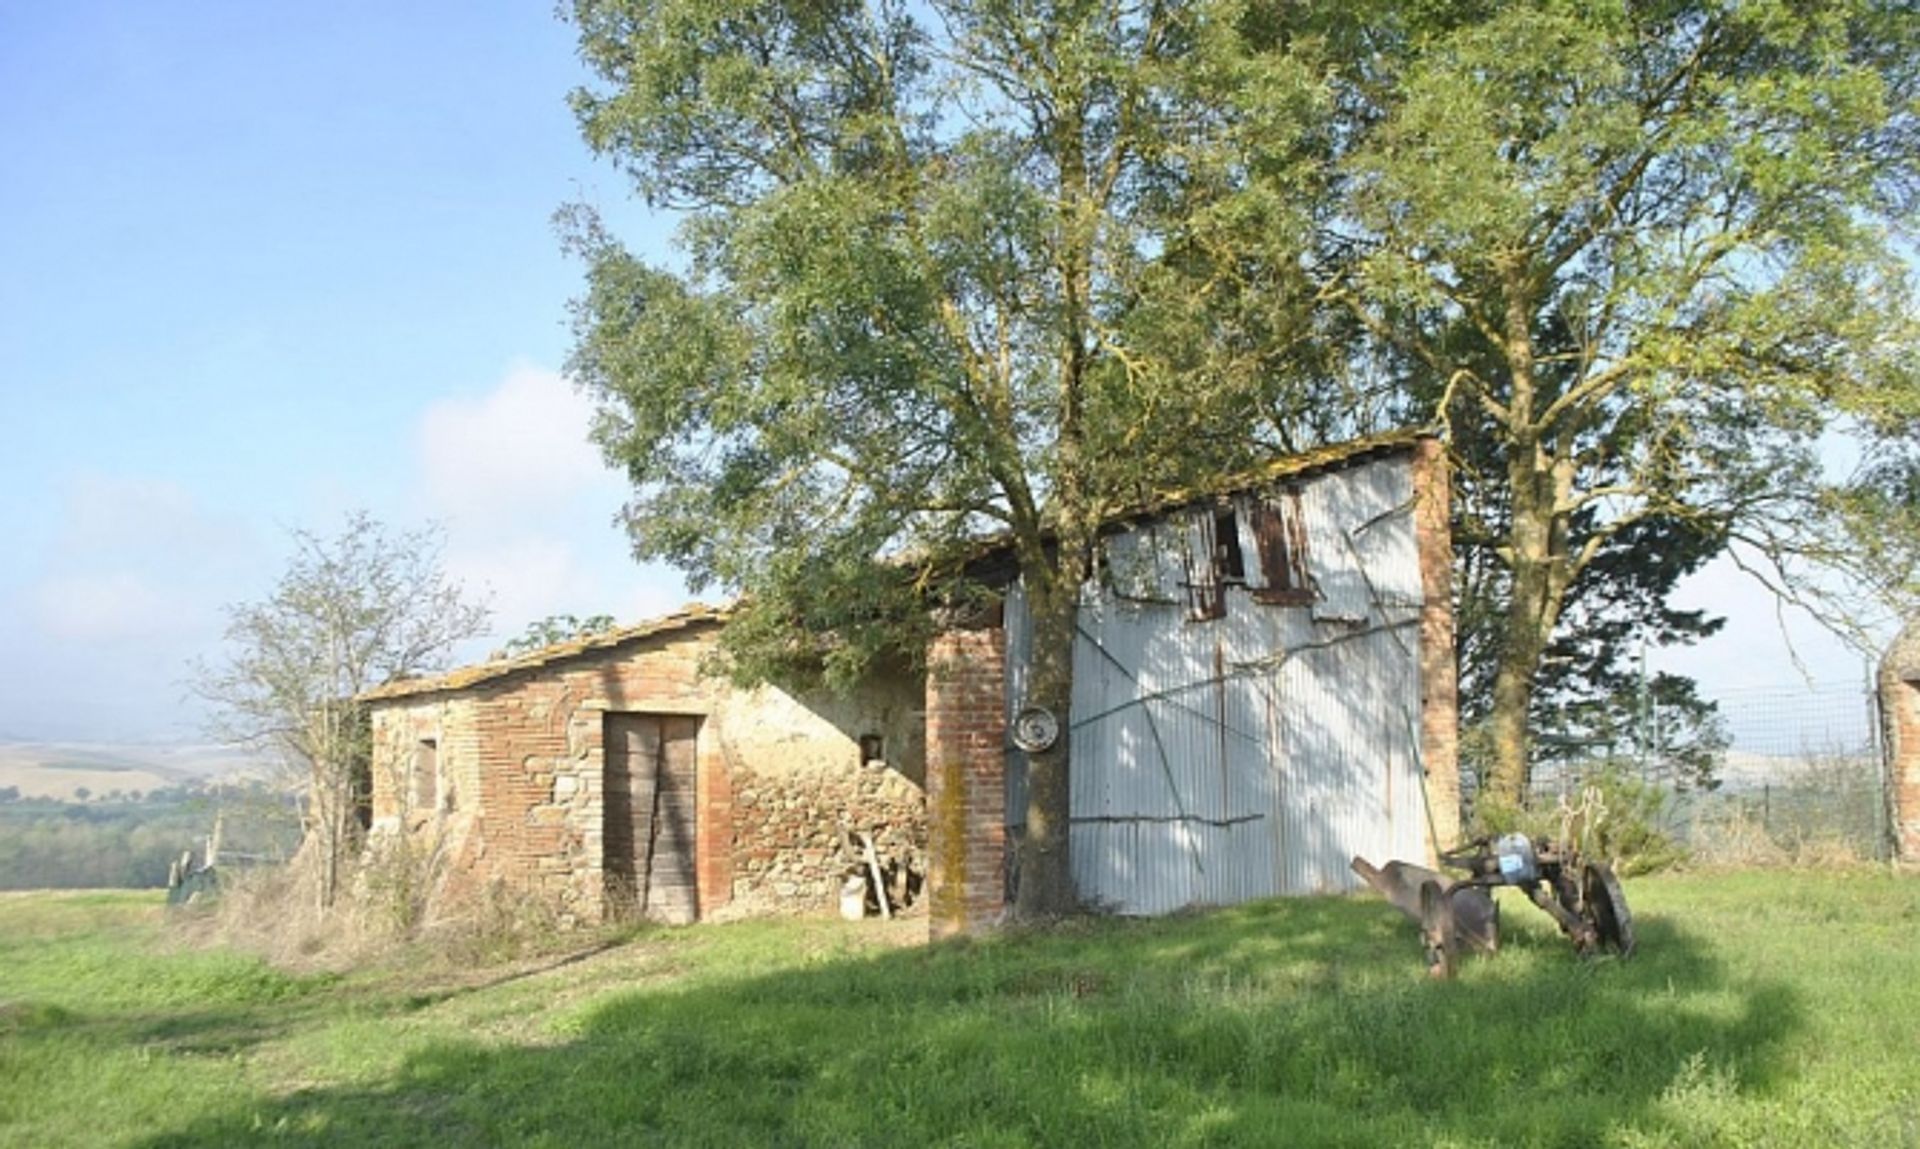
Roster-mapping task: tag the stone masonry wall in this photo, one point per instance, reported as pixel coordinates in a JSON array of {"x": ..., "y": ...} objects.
[
  {"x": 786, "y": 845},
  {"x": 966, "y": 781},
  {"x": 447, "y": 830},
  {"x": 398, "y": 731},
  {"x": 1439, "y": 673},
  {"x": 534, "y": 740}
]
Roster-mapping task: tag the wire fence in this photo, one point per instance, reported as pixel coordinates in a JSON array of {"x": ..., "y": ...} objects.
[{"x": 1803, "y": 777}]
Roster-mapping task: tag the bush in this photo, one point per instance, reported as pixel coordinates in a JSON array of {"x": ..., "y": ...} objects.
[
  {"x": 390, "y": 912},
  {"x": 396, "y": 877},
  {"x": 1635, "y": 831}
]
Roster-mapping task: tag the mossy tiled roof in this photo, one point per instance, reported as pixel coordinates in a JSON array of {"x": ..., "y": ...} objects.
[
  {"x": 693, "y": 614},
  {"x": 1295, "y": 466}
]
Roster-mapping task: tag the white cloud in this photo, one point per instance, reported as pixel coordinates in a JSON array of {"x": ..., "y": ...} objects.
[
  {"x": 529, "y": 507},
  {"x": 118, "y": 513},
  {"x": 525, "y": 578},
  {"x": 656, "y": 590},
  {"x": 116, "y": 606},
  {"x": 135, "y": 559},
  {"x": 503, "y": 458},
  {"x": 1762, "y": 643},
  {"x": 108, "y": 614}
]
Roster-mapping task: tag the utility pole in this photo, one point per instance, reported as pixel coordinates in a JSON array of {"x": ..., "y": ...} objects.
[
  {"x": 1878, "y": 746},
  {"x": 1644, "y": 735}
]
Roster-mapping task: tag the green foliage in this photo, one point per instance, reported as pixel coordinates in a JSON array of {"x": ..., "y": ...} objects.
[
  {"x": 557, "y": 628},
  {"x": 921, "y": 299},
  {"x": 967, "y": 267},
  {"x": 1304, "y": 1022},
  {"x": 1635, "y": 831},
  {"x": 129, "y": 844},
  {"x": 951, "y": 270},
  {"x": 1643, "y": 260}
]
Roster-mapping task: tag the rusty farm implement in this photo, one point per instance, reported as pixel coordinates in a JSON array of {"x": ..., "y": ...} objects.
[{"x": 1459, "y": 914}]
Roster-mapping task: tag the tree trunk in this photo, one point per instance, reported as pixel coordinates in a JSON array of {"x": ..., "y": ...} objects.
[
  {"x": 330, "y": 842},
  {"x": 1045, "y": 872},
  {"x": 1536, "y": 560},
  {"x": 1504, "y": 789}
]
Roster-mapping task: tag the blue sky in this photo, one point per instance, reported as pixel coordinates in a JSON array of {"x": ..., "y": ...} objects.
[{"x": 261, "y": 264}]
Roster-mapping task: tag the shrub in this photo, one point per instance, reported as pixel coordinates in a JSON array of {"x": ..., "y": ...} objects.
[{"x": 1634, "y": 832}]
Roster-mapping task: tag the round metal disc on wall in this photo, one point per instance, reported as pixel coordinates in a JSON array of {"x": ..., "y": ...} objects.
[{"x": 1035, "y": 729}]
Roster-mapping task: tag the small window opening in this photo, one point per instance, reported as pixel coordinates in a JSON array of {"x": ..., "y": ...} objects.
[
  {"x": 1281, "y": 534},
  {"x": 873, "y": 750},
  {"x": 1227, "y": 558},
  {"x": 426, "y": 774}
]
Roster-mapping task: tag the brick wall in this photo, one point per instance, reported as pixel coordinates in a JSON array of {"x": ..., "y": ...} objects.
[
  {"x": 543, "y": 763},
  {"x": 966, "y": 781},
  {"x": 1904, "y": 718},
  {"x": 1439, "y": 673},
  {"x": 1900, "y": 710}
]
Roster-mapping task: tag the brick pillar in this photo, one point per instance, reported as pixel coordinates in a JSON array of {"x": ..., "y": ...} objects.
[
  {"x": 1904, "y": 717},
  {"x": 713, "y": 835},
  {"x": 966, "y": 781},
  {"x": 1439, "y": 673},
  {"x": 1900, "y": 711}
]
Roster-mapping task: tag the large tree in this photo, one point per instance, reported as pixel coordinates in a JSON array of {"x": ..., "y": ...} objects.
[
  {"x": 943, "y": 274},
  {"x": 351, "y": 611},
  {"x": 1643, "y": 257},
  {"x": 999, "y": 266}
]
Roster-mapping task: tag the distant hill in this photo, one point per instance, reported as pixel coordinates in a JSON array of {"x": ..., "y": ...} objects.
[{"x": 60, "y": 769}]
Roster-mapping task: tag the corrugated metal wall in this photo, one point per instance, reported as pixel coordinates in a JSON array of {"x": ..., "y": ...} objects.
[{"x": 1254, "y": 754}]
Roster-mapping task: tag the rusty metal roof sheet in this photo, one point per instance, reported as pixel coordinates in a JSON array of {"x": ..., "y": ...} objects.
[
  {"x": 691, "y": 615},
  {"x": 1315, "y": 460},
  {"x": 1285, "y": 468}
]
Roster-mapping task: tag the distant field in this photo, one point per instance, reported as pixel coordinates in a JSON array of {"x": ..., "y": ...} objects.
[
  {"x": 1764, "y": 1009},
  {"x": 59, "y": 770}
]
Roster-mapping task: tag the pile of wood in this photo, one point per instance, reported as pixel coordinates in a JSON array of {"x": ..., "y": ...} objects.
[{"x": 874, "y": 882}]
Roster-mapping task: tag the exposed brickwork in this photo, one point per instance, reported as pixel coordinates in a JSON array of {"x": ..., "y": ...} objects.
[
  {"x": 966, "y": 781},
  {"x": 524, "y": 760},
  {"x": 1900, "y": 709},
  {"x": 540, "y": 798},
  {"x": 1906, "y": 776},
  {"x": 1439, "y": 673},
  {"x": 719, "y": 831}
]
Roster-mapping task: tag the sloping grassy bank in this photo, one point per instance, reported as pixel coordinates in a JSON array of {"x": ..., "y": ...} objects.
[{"x": 1765, "y": 1009}]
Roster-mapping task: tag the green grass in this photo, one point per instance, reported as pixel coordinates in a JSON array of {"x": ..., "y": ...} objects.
[{"x": 1764, "y": 1009}]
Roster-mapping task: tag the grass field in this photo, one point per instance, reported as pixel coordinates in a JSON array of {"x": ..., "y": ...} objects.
[{"x": 1764, "y": 1009}]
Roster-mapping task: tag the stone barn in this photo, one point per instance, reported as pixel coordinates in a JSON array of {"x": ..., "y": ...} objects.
[{"x": 616, "y": 776}]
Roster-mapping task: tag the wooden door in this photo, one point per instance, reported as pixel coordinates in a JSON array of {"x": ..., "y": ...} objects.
[{"x": 651, "y": 816}]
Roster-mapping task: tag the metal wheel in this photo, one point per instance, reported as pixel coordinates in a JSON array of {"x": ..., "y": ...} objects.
[
  {"x": 1605, "y": 906},
  {"x": 1436, "y": 929}
]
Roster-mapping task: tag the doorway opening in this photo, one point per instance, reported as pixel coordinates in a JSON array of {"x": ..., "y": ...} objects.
[{"x": 651, "y": 831}]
